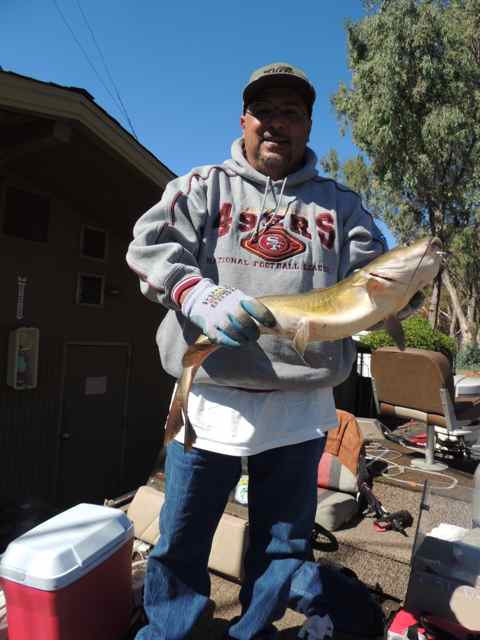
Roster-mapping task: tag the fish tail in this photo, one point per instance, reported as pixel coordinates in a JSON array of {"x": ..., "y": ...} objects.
[
  {"x": 178, "y": 413},
  {"x": 190, "y": 435},
  {"x": 175, "y": 417},
  {"x": 198, "y": 352}
]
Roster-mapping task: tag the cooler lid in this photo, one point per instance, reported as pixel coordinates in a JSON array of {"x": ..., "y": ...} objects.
[
  {"x": 65, "y": 547},
  {"x": 467, "y": 385}
]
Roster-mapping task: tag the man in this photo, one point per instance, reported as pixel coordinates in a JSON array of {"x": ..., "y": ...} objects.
[{"x": 261, "y": 223}]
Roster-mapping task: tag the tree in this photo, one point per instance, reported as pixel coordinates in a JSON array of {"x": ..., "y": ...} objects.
[
  {"x": 462, "y": 281},
  {"x": 414, "y": 109},
  {"x": 357, "y": 174}
]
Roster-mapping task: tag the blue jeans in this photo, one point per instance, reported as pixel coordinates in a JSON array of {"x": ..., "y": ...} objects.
[{"x": 282, "y": 498}]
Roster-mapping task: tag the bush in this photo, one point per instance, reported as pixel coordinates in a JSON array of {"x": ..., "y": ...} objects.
[
  {"x": 469, "y": 357},
  {"x": 418, "y": 335}
]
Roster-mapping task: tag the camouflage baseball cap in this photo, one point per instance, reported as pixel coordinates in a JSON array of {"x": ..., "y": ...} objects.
[{"x": 280, "y": 74}]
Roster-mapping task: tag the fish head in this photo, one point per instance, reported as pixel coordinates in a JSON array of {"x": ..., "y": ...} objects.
[{"x": 401, "y": 272}]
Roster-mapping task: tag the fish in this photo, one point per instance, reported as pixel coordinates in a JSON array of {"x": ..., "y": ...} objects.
[{"x": 371, "y": 295}]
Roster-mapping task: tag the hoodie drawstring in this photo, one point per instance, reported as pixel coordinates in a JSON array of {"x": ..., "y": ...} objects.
[
  {"x": 268, "y": 186},
  {"x": 262, "y": 209}
]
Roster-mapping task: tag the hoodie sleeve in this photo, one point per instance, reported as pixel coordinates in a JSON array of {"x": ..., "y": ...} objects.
[
  {"x": 361, "y": 240},
  {"x": 166, "y": 240}
]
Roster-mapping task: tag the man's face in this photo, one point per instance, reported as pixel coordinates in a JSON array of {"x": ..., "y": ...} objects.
[{"x": 276, "y": 127}]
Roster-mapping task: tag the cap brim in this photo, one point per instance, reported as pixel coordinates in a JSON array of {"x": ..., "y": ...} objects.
[{"x": 282, "y": 81}]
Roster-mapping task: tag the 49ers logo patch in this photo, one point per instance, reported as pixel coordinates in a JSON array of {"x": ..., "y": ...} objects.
[{"x": 274, "y": 244}]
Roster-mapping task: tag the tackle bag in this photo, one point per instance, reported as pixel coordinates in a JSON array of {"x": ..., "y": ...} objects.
[
  {"x": 336, "y": 603},
  {"x": 406, "y": 626},
  {"x": 338, "y": 474}
]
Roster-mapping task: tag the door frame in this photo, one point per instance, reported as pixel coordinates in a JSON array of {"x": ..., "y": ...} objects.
[{"x": 90, "y": 343}]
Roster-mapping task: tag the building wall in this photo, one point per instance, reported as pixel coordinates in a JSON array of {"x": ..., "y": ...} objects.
[{"x": 30, "y": 420}]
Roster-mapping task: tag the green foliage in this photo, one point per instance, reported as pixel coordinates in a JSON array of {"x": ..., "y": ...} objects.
[
  {"x": 358, "y": 175},
  {"x": 418, "y": 335},
  {"x": 413, "y": 106},
  {"x": 469, "y": 357},
  {"x": 330, "y": 164},
  {"x": 463, "y": 261},
  {"x": 413, "y": 109}
]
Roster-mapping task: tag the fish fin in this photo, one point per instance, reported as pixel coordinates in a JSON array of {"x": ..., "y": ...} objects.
[
  {"x": 394, "y": 328},
  {"x": 302, "y": 338},
  {"x": 189, "y": 435}
]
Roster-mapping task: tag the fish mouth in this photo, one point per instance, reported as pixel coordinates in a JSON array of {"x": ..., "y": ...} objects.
[
  {"x": 436, "y": 244},
  {"x": 436, "y": 247}
]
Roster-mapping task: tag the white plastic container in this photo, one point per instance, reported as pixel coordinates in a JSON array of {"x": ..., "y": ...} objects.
[
  {"x": 467, "y": 385},
  {"x": 70, "y": 577}
]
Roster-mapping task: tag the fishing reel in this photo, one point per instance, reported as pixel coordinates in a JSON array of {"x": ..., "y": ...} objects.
[
  {"x": 384, "y": 520},
  {"x": 397, "y": 521}
]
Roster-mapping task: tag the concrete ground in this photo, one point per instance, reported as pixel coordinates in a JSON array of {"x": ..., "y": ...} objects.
[{"x": 381, "y": 560}]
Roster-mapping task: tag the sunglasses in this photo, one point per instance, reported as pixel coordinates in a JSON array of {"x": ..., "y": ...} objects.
[{"x": 266, "y": 112}]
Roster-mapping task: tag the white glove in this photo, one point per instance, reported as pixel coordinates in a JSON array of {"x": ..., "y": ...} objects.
[{"x": 225, "y": 315}]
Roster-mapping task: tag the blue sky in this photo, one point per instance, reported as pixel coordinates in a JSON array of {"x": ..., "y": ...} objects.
[{"x": 179, "y": 67}]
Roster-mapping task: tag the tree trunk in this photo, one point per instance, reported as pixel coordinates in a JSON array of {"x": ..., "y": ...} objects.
[
  {"x": 453, "y": 323},
  {"x": 466, "y": 329},
  {"x": 434, "y": 304},
  {"x": 472, "y": 316}
]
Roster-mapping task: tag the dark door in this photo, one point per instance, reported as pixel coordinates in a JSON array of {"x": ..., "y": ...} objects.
[{"x": 93, "y": 423}]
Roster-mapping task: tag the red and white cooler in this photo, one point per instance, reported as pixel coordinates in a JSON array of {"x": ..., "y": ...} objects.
[{"x": 70, "y": 577}]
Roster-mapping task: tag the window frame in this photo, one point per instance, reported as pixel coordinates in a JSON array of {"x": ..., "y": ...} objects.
[
  {"x": 5, "y": 185},
  {"x": 86, "y": 274},
  {"x": 84, "y": 226}
]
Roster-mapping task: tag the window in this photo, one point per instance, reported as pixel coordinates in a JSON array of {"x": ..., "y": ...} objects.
[
  {"x": 26, "y": 215},
  {"x": 90, "y": 289},
  {"x": 93, "y": 243}
]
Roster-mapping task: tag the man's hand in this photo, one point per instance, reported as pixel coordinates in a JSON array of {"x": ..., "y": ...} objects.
[{"x": 225, "y": 315}]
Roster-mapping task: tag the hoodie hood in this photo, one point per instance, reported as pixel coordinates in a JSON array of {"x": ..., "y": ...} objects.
[
  {"x": 272, "y": 189},
  {"x": 239, "y": 164}
]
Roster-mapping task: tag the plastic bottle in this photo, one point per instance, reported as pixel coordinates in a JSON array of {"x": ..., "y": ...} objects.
[{"x": 476, "y": 498}]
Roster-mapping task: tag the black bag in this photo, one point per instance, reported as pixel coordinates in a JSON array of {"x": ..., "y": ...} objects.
[{"x": 353, "y": 611}]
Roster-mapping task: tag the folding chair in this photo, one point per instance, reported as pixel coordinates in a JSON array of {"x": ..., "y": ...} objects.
[{"x": 419, "y": 384}]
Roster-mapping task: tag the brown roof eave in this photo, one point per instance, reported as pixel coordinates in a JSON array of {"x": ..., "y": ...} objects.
[{"x": 22, "y": 93}]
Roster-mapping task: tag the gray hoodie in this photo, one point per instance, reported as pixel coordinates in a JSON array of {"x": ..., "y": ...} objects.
[{"x": 238, "y": 227}]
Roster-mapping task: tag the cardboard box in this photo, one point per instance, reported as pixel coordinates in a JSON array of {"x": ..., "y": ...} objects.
[
  {"x": 70, "y": 577},
  {"x": 229, "y": 542},
  {"x": 229, "y": 545},
  {"x": 144, "y": 511},
  {"x": 445, "y": 578}
]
